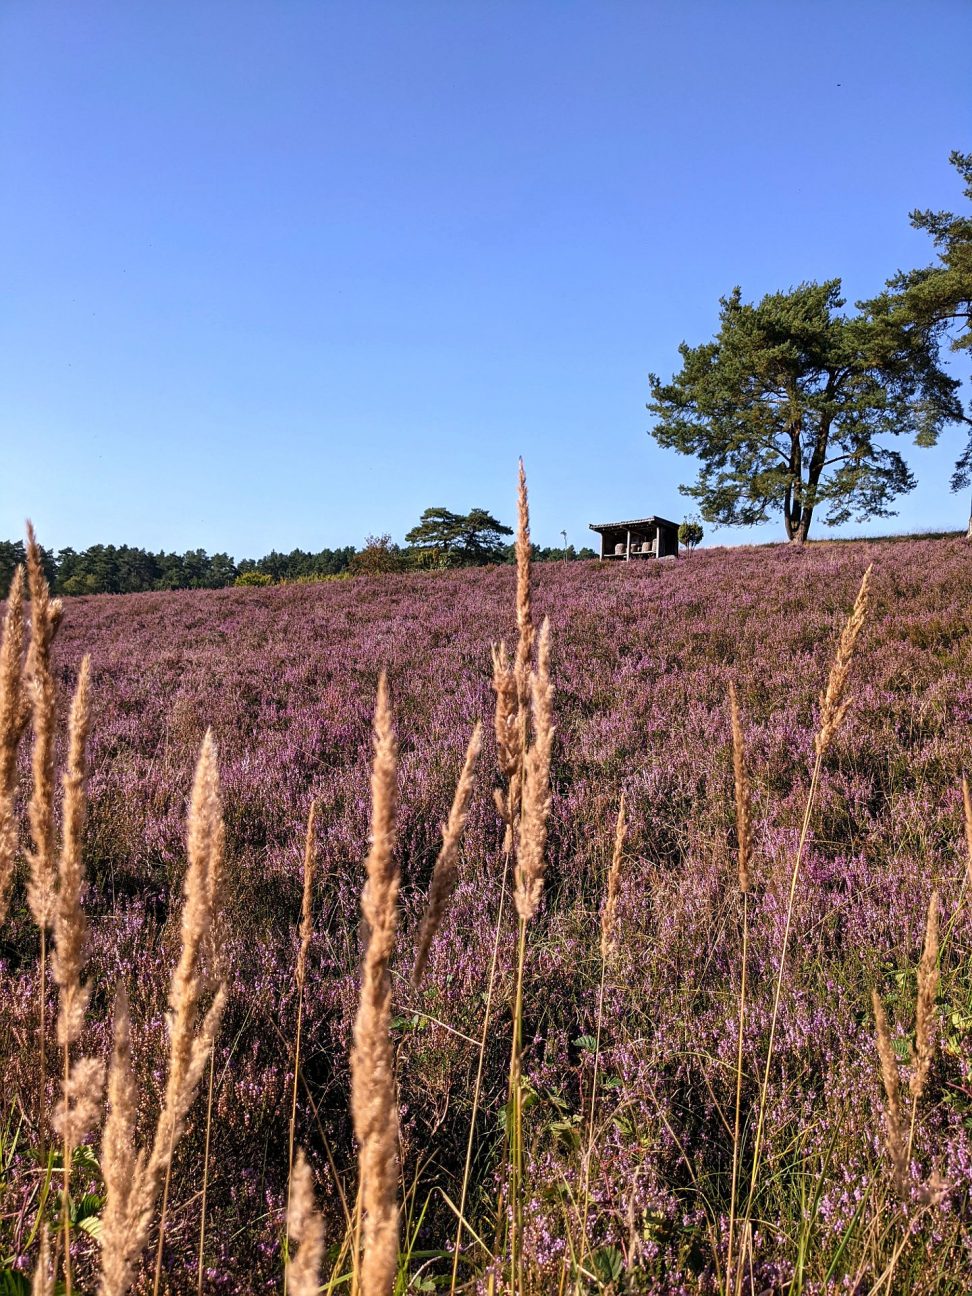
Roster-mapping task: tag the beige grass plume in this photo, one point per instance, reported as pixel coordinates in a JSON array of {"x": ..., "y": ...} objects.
[
  {"x": 70, "y": 926},
  {"x": 895, "y": 1134},
  {"x": 306, "y": 933},
  {"x": 925, "y": 1007},
  {"x": 45, "y": 616},
  {"x": 446, "y": 865},
  {"x": 531, "y": 860},
  {"x": 512, "y": 682},
  {"x": 38, "y": 700},
  {"x": 43, "y": 1280},
  {"x": 305, "y": 1228},
  {"x": 121, "y": 1165},
  {"x": 835, "y": 700},
  {"x": 524, "y": 611},
  {"x": 307, "y": 898},
  {"x": 509, "y": 751},
  {"x": 192, "y": 1032},
  {"x": 744, "y": 837},
  {"x": 12, "y": 717},
  {"x": 609, "y": 912},
  {"x": 373, "y": 1099}
]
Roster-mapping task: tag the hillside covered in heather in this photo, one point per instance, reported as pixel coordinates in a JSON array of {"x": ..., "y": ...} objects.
[{"x": 642, "y": 655}]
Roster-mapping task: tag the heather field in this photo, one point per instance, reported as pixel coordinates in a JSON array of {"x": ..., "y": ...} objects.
[{"x": 641, "y": 658}]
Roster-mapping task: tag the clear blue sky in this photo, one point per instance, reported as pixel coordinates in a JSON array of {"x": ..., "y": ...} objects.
[{"x": 281, "y": 274}]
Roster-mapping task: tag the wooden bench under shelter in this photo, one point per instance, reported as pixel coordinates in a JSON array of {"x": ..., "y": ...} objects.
[{"x": 651, "y": 537}]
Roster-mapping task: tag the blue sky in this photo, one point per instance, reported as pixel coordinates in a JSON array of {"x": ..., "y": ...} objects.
[{"x": 285, "y": 274}]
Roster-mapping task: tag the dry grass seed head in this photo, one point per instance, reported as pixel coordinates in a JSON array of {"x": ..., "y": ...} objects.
[
  {"x": 305, "y": 1228},
  {"x": 508, "y": 752},
  {"x": 119, "y": 1165},
  {"x": 509, "y": 741},
  {"x": 894, "y": 1129},
  {"x": 609, "y": 913},
  {"x": 445, "y": 872},
  {"x": 744, "y": 839},
  {"x": 42, "y": 1283},
  {"x": 524, "y": 612},
  {"x": 45, "y": 615},
  {"x": 79, "y": 1112},
  {"x": 204, "y": 842},
  {"x": 12, "y": 716},
  {"x": 307, "y": 900},
  {"x": 531, "y": 862},
  {"x": 373, "y": 1099},
  {"x": 835, "y": 699},
  {"x": 70, "y": 926},
  {"x": 925, "y": 1007}
]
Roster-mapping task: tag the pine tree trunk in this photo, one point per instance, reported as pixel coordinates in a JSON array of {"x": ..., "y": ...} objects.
[
  {"x": 814, "y": 473},
  {"x": 793, "y": 502}
]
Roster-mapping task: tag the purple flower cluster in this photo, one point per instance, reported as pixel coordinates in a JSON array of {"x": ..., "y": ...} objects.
[{"x": 642, "y": 657}]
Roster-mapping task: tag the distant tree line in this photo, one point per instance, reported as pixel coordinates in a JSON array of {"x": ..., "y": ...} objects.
[{"x": 125, "y": 569}]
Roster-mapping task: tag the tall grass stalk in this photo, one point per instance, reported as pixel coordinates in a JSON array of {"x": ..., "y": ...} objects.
[
  {"x": 834, "y": 704},
  {"x": 445, "y": 871},
  {"x": 81, "y": 1087},
  {"x": 529, "y": 872},
  {"x": 607, "y": 945},
  {"x": 516, "y": 1121},
  {"x": 204, "y": 1190},
  {"x": 45, "y": 616},
  {"x": 477, "y": 1087},
  {"x": 928, "y": 976},
  {"x": 132, "y": 1176},
  {"x": 190, "y": 981},
  {"x": 373, "y": 1100},
  {"x": 744, "y": 849},
  {"x": 306, "y": 931},
  {"x": 215, "y": 943},
  {"x": 523, "y": 692}
]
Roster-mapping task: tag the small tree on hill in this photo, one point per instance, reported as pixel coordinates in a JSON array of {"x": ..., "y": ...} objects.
[
  {"x": 459, "y": 539},
  {"x": 690, "y": 533},
  {"x": 379, "y": 556},
  {"x": 789, "y": 406}
]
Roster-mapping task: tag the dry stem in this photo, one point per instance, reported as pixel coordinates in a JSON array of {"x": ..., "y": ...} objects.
[
  {"x": 835, "y": 699},
  {"x": 925, "y": 1007},
  {"x": 445, "y": 872},
  {"x": 744, "y": 840},
  {"x": 894, "y": 1129}
]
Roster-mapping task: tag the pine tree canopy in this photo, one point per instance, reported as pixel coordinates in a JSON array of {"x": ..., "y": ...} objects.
[{"x": 792, "y": 405}]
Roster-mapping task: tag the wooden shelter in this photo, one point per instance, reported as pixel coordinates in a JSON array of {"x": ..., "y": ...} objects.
[{"x": 651, "y": 537}]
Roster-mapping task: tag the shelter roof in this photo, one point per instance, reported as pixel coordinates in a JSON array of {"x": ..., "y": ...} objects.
[{"x": 634, "y": 522}]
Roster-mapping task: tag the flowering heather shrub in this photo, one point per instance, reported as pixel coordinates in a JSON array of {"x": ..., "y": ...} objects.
[{"x": 642, "y": 657}]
